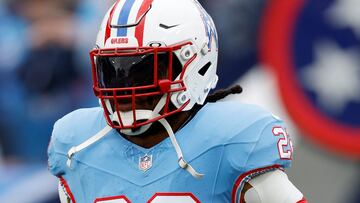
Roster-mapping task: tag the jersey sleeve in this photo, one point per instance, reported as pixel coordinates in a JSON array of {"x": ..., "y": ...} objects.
[
  {"x": 273, "y": 148},
  {"x": 56, "y": 155},
  {"x": 262, "y": 145}
]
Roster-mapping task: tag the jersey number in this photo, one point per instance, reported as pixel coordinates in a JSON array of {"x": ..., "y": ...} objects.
[
  {"x": 284, "y": 144},
  {"x": 157, "y": 198}
]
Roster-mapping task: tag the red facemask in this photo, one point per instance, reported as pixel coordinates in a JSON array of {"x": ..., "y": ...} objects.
[{"x": 125, "y": 77}]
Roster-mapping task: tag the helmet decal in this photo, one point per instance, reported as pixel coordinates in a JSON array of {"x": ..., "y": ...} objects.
[
  {"x": 209, "y": 25},
  {"x": 128, "y": 19}
]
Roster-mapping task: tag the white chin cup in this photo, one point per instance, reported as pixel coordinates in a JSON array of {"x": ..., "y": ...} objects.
[{"x": 127, "y": 119}]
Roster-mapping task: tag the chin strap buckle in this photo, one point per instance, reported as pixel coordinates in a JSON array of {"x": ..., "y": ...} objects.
[
  {"x": 73, "y": 150},
  {"x": 184, "y": 165},
  {"x": 70, "y": 155}
]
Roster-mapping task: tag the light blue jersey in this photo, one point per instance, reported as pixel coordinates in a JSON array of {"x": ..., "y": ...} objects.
[{"x": 229, "y": 142}]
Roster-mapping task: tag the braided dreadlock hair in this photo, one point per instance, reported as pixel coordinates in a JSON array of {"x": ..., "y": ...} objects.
[
  {"x": 222, "y": 93},
  {"x": 216, "y": 96}
]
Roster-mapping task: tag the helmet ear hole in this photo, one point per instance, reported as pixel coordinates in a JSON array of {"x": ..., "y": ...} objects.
[
  {"x": 187, "y": 52},
  {"x": 204, "y": 69}
]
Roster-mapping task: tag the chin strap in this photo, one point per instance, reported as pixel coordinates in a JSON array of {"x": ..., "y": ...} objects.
[
  {"x": 86, "y": 143},
  {"x": 182, "y": 163}
]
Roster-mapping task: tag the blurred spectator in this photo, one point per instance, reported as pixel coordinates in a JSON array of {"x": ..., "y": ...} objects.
[
  {"x": 13, "y": 49},
  {"x": 40, "y": 81},
  {"x": 44, "y": 69}
]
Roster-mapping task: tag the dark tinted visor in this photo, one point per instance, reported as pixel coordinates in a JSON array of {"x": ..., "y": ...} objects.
[{"x": 134, "y": 71}]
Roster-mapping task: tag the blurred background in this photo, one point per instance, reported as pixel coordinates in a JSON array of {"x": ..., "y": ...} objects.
[{"x": 299, "y": 59}]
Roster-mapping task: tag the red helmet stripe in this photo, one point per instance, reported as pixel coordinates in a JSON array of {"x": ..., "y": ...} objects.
[
  {"x": 139, "y": 31},
  {"x": 108, "y": 28}
]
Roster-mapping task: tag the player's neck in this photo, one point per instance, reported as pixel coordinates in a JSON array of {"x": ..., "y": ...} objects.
[{"x": 157, "y": 132}]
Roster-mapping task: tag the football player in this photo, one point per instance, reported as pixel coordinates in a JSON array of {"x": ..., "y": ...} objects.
[{"x": 158, "y": 137}]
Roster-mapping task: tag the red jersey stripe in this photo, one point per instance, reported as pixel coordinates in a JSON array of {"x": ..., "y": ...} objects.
[
  {"x": 67, "y": 188},
  {"x": 242, "y": 177}
]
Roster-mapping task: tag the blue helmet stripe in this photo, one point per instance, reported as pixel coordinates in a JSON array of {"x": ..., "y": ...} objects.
[{"x": 124, "y": 16}]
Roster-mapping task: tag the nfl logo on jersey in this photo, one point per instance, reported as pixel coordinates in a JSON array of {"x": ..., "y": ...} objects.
[{"x": 145, "y": 162}]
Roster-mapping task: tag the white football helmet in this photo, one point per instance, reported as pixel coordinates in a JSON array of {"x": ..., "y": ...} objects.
[{"x": 153, "y": 48}]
